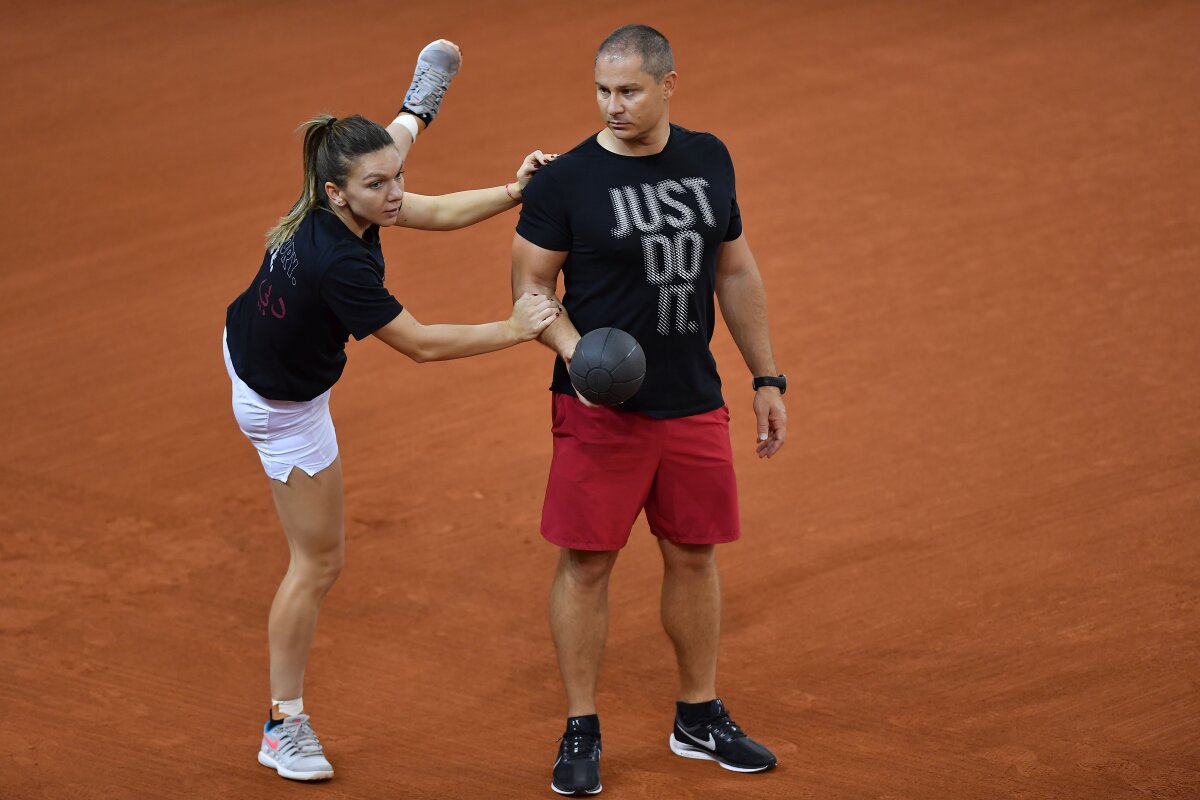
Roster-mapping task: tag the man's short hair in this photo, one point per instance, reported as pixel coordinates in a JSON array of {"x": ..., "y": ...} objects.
[{"x": 642, "y": 40}]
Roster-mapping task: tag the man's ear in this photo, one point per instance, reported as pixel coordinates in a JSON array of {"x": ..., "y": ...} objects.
[{"x": 668, "y": 84}]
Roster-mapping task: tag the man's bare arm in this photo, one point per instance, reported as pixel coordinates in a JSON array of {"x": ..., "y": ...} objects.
[
  {"x": 744, "y": 306},
  {"x": 535, "y": 270}
]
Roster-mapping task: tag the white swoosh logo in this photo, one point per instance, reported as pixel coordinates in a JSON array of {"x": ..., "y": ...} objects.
[{"x": 710, "y": 743}]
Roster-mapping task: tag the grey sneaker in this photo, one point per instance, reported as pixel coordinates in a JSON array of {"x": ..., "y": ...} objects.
[
  {"x": 437, "y": 64},
  {"x": 294, "y": 751}
]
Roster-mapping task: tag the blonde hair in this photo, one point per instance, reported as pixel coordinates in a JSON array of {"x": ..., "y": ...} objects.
[{"x": 331, "y": 146}]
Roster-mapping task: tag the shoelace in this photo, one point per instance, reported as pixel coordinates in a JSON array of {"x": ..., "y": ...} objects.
[
  {"x": 724, "y": 728},
  {"x": 428, "y": 81},
  {"x": 577, "y": 745},
  {"x": 305, "y": 740}
]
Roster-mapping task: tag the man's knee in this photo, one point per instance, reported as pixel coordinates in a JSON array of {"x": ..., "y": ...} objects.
[
  {"x": 587, "y": 569},
  {"x": 698, "y": 559}
]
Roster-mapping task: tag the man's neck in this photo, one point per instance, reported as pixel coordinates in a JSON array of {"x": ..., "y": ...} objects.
[{"x": 652, "y": 143}]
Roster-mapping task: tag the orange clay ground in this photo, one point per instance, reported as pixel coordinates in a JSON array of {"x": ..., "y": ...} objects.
[{"x": 972, "y": 572}]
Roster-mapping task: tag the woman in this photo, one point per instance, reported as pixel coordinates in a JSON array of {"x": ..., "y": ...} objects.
[{"x": 321, "y": 280}]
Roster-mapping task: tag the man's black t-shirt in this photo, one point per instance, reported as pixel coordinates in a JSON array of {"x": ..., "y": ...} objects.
[
  {"x": 642, "y": 234},
  {"x": 287, "y": 333}
]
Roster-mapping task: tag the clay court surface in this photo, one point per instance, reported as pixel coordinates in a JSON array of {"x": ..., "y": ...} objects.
[{"x": 972, "y": 572}]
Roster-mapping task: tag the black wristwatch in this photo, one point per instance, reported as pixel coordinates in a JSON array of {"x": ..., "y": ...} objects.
[{"x": 778, "y": 381}]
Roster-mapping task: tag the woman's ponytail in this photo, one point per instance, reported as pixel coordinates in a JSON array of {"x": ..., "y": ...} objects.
[{"x": 317, "y": 132}]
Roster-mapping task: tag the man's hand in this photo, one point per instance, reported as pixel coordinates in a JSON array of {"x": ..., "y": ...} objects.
[
  {"x": 567, "y": 353},
  {"x": 772, "y": 421}
]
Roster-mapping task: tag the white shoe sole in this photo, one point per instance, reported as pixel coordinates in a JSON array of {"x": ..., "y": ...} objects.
[
  {"x": 688, "y": 751},
  {"x": 597, "y": 790},
  {"x": 321, "y": 775}
]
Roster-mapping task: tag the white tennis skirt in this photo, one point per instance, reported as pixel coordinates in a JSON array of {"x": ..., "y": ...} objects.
[{"x": 285, "y": 433}]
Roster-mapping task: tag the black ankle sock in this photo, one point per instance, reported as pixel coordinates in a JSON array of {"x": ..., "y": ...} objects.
[
  {"x": 691, "y": 713},
  {"x": 273, "y": 723},
  {"x": 589, "y": 723}
]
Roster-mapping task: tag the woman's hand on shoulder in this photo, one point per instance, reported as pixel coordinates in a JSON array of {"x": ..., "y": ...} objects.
[{"x": 529, "y": 167}]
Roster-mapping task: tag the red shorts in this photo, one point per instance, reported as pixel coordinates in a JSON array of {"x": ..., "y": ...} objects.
[{"x": 608, "y": 465}]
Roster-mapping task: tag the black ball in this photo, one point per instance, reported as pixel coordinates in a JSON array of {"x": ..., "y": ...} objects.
[{"x": 608, "y": 366}]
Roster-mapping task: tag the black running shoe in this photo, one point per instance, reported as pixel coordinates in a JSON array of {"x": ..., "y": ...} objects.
[
  {"x": 718, "y": 738},
  {"x": 577, "y": 770}
]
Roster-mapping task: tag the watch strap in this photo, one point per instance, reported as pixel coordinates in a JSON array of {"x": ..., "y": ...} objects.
[{"x": 778, "y": 381}]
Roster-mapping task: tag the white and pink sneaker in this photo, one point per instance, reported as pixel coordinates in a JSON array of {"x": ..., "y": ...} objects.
[{"x": 294, "y": 751}]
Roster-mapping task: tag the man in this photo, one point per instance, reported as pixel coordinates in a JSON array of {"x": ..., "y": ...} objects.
[{"x": 643, "y": 222}]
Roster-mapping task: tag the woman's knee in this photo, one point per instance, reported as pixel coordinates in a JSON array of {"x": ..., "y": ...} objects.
[{"x": 318, "y": 572}]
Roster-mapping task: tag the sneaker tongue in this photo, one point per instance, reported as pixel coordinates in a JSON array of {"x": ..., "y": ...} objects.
[{"x": 296, "y": 720}]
